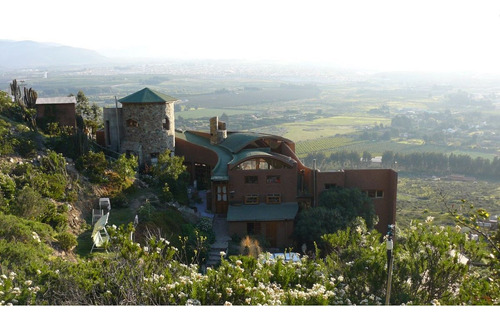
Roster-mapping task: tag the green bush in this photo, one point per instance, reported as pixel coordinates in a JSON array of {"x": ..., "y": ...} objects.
[
  {"x": 66, "y": 240},
  {"x": 29, "y": 203},
  {"x": 26, "y": 146},
  {"x": 53, "y": 217},
  {"x": 93, "y": 165}
]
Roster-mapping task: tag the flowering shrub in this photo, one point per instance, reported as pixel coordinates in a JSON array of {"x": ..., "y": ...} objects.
[
  {"x": 14, "y": 291},
  {"x": 352, "y": 272}
]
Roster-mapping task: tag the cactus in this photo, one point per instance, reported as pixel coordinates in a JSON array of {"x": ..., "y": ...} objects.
[
  {"x": 16, "y": 92},
  {"x": 27, "y": 102},
  {"x": 30, "y": 97}
]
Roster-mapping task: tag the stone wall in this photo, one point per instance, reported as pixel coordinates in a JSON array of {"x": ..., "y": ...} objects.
[{"x": 154, "y": 127}]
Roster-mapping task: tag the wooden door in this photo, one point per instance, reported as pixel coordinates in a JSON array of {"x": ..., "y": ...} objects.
[{"x": 221, "y": 199}]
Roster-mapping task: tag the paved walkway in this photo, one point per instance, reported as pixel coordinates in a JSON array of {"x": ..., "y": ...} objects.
[{"x": 220, "y": 228}]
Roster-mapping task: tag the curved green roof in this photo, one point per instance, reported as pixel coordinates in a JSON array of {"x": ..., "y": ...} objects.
[
  {"x": 230, "y": 152},
  {"x": 263, "y": 152},
  {"x": 236, "y": 141},
  {"x": 147, "y": 95},
  {"x": 219, "y": 172}
]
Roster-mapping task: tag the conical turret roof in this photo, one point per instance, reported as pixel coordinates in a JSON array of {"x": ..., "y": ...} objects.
[{"x": 147, "y": 95}]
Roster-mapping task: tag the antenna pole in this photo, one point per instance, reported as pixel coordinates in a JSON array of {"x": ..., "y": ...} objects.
[{"x": 390, "y": 258}]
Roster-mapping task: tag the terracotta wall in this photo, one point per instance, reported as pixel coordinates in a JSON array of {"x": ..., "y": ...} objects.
[
  {"x": 64, "y": 114},
  {"x": 287, "y": 186}
]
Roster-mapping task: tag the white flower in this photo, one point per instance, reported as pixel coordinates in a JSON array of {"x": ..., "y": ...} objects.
[
  {"x": 227, "y": 303},
  {"x": 435, "y": 302},
  {"x": 429, "y": 219},
  {"x": 28, "y": 282},
  {"x": 146, "y": 249},
  {"x": 238, "y": 262}
]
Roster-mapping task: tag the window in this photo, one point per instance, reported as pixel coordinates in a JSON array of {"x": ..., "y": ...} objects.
[
  {"x": 252, "y": 199},
  {"x": 154, "y": 157},
  {"x": 375, "y": 193},
  {"x": 166, "y": 124},
  {"x": 273, "y": 198},
  {"x": 251, "y": 179},
  {"x": 273, "y": 179},
  {"x": 132, "y": 123},
  {"x": 262, "y": 164}
]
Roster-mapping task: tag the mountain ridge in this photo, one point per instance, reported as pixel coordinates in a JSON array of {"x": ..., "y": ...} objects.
[{"x": 29, "y": 54}]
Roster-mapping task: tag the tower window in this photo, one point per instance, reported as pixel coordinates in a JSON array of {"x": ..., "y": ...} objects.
[
  {"x": 132, "y": 123},
  {"x": 166, "y": 124}
]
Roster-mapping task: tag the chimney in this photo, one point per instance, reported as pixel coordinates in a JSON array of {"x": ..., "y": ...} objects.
[{"x": 218, "y": 132}]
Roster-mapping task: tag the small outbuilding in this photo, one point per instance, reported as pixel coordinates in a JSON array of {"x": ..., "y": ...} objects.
[{"x": 57, "y": 109}]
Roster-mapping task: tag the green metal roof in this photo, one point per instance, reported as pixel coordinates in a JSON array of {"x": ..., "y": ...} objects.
[
  {"x": 238, "y": 140},
  {"x": 224, "y": 156},
  {"x": 262, "y": 152},
  {"x": 147, "y": 95},
  {"x": 263, "y": 212},
  {"x": 249, "y": 153}
]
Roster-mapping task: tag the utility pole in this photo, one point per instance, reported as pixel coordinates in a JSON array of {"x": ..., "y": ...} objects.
[
  {"x": 390, "y": 258},
  {"x": 117, "y": 126}
]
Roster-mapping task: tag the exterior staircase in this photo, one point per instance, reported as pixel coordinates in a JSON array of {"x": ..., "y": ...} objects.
[{"x": 222, "y": 238}]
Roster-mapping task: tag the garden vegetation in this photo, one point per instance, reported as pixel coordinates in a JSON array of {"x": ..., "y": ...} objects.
[{"x": 40, "y": 265}]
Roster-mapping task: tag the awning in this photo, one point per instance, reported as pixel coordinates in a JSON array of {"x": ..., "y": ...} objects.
[{"x": 263, "y": 212}]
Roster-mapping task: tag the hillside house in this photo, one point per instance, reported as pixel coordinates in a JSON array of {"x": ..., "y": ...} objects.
[
  {"x": 257, "y": 182},
  {"x": 254, "y": 180},
  {"x": 57, "y": 109}
]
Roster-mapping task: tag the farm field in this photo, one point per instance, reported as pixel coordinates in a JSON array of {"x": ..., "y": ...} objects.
[
  {"x": 420, "y": 197},
  {"x": 377, "y": 148},
  {"x": 328, "y": 127}
]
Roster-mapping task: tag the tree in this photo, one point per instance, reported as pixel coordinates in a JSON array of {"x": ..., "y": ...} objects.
[
  {"x": 91, "y": 114},
  {"x": 350, "y": 203},
  {"x": 337, "y": 209},
  {"x": 168, "y": 167},
  {"x": 367, "y": 157},
  {"x": 171, "y": 176}
]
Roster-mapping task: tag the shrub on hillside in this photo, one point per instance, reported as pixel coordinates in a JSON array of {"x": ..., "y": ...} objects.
[
  {"x": 93, "y": 165},
  {"x": 66, "y": 240}
]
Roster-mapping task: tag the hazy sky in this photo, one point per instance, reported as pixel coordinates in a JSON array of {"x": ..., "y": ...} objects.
[{"x": 423, "y": 35}]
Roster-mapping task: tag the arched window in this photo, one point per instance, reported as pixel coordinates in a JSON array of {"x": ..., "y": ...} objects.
[
  {"x": 262, "y": 164},
  {"x": 132, "y": 123}
]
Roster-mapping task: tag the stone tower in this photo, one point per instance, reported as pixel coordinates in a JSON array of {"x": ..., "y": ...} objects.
[{"x": 149, "y": 124}]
